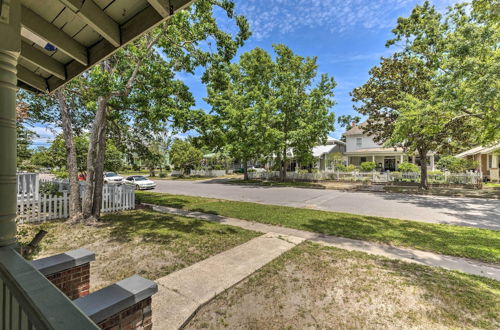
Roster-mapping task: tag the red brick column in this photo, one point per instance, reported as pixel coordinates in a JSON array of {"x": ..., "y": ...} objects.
[
  {"x": 69, "y": 271},
  {"x": 73, "y": 282},
  {"x": 137, "y": 316}
]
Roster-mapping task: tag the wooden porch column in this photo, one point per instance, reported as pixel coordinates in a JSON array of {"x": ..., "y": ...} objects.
[{"x": 10, "y": 48}]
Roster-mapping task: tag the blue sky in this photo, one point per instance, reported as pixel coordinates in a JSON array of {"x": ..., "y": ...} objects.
[{"x": 347, "y": 36}]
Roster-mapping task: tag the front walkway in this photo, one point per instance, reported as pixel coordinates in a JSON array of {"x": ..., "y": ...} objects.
[
  {"x": 181, "y": 293},
  {"x": 409, "y": 255}
]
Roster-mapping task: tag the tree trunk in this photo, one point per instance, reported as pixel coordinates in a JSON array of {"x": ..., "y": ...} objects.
[
  {"x": 94, "y": 170},
  {"x": 99, "y": 171},
  {"x": 75, "y": 206},
  {"x": 245, "y": 170},
  {"x": 423, "y": 168},
  {"x": 283, "y": 165}
]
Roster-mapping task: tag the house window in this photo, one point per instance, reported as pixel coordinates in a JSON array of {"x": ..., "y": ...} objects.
[
  {"x": 490, "y": 161},
  {"x": 363, "y": 159},
  {"x": 359, "y": 142}
]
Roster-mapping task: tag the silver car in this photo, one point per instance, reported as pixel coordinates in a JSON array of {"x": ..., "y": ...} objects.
[
  {"x": 140, "y": 182},
  {"x": 112, "y": 177}
]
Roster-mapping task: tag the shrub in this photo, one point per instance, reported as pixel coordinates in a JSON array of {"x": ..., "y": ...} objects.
[
  {"x": 62, "y": 174},
  {"x": 435, "y": 173},
  {"x": 368, "y": 166},
  {"x": 456, "y": 165},
  {"x": 341, "y": 168},
  {"x": 251, "y": 170},
  {"x": 351, "y": 168},
  {"x": 163, "y": 175},
  {"x": 408, "y": 167},
  {"x": 49, "y": 188}
]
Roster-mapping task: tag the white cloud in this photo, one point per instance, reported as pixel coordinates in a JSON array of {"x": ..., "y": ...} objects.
[
  {"x": 336, "y": 16},
  {"x": 46, "y": 135}
]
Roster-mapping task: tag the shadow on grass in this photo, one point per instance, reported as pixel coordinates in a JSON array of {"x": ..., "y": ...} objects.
[{"x": 160, "y": 228}]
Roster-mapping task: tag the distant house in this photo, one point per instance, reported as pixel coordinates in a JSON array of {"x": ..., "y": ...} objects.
[
  {"x": 360, "y": 147},
  {"x": 322, "y": 152},
  {"x": 488, "y": 159}
]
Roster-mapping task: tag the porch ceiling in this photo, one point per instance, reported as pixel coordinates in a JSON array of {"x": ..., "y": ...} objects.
[{"x": 81, "y": 33}]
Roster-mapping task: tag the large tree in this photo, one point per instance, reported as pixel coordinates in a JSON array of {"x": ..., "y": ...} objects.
[
  {"x": 242, "y": 105},
  {"x": 137, "y": 86},
  {"x": 404, "y": 97},
  {"x": 302, "y": 117}
]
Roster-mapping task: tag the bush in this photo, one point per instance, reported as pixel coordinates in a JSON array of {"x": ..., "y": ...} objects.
[
  {"x": 351, "y": 168},
  {"x": 435, "y": 173},
  {"x": 163, "y": 175},
  {"x": 368, "y": 166},
  {"x": 408, "y": 167},
  {"x": 62, "y": 174},
  {"x": 251, "y": 170},
  {"x": 456, "y": 165},
  {"x": 49, "y": 188},
  {"x": 341, "y": 168}
]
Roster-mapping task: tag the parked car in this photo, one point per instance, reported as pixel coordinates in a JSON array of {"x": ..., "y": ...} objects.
[
  {"x": 256, "y": 169},
  {"x": 112, "y": 177},
  {"x": 140, "y": 182}
]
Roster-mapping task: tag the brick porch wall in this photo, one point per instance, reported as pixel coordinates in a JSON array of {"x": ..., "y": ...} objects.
[
  {"x": 73, "y": 282},
  {"x": 137, "y": 316}
]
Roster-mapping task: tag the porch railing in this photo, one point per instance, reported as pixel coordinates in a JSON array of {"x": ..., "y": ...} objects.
[{"x": 29, "y": 301}]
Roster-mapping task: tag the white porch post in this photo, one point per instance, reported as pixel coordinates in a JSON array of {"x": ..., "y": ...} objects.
[
  {"x": 432, "y": 162},
  {"x": 373, "y": 158},
  {"x": 401, "y": 159},
  {"x": 10, "y": 47},
  {"x": 413, "y": 159}
]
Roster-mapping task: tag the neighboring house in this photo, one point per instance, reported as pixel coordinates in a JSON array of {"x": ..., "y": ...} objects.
[
  {"x": 488, "y": 159},
  {"x": 321, "y": 152},
  {"x": 360, "y": 147}
]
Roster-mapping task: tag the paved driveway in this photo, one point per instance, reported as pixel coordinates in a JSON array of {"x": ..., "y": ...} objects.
[{"x": 474, "y": 212}]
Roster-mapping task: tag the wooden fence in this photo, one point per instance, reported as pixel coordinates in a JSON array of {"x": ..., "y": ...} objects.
[{"x": 41, "y": 207}]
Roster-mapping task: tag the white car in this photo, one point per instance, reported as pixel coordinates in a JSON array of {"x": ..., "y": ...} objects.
[
  {"x": 257, "y": 169},
  {"x": 112, "y": 177},
  {"x": 140, "y": 182}
]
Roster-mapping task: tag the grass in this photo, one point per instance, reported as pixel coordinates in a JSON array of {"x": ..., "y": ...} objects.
[
  {"x": 461, "y": 241},
  {"x": 492, "y": 185},
  {"x": 140, "y": 242},
  {"x": 318, "y": 287}
]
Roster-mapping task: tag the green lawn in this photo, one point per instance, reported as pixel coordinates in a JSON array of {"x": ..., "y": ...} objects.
[
  {"x": 474, "y": 243},
  {"x": 492, "y": 185}
]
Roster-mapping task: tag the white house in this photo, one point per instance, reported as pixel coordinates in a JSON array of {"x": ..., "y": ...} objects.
[{"x": 360, "y": 147}]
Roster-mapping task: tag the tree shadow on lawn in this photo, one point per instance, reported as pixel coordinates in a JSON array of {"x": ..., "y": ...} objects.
[
  {"x": 161, "y": 228},
  {"x": 444, "y": 239}
]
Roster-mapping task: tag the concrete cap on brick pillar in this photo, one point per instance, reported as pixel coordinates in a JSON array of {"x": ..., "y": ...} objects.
[
  {"x": 115, "y": 298},
  {"x": 63, "y": 261}
]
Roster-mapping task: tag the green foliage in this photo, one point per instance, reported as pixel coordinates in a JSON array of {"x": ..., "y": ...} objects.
[
  {"x": 368, "y": 166},
  {"x": 113, "y": 157},
  {"x": 42, "y": 157},
  {"x": 351, "y": 168},
  {"x": 408, "y": 167},
  {"x": 49, "y": 188},
  {"x": 456, "y": 165},
  {"x": 184, "y": 156},
  {"x": 436, "y": 172},
  {"x": 461, "y": 241},
  {"x": 262, "y": 107},
  {"x": 163, "y": 175}
]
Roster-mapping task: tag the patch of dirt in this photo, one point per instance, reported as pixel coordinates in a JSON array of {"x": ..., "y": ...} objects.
[{"x": 312, "y": 287}]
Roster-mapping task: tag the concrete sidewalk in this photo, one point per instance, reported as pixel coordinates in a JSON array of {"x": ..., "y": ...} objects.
[
  {"x": 181, "y": 293},
  {"x": 410, "y": 255}
]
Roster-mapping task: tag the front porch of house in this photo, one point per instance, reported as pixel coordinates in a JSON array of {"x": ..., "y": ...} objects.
[{"x": 387, "y": 161}]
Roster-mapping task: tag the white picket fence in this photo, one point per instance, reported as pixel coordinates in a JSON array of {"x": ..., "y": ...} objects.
[
  {"x": 208, "y": 173},
  {"x": 28, "y": 183},
  {"x": 41, "y": 207},
  {"x": 443, "y": 178}
]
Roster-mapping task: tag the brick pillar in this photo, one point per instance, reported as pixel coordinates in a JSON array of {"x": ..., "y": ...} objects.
[
  {"x": 73, "y": 282},
  {"x": 69, "y": 271},
  {"x": 137, "y": 316}
]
